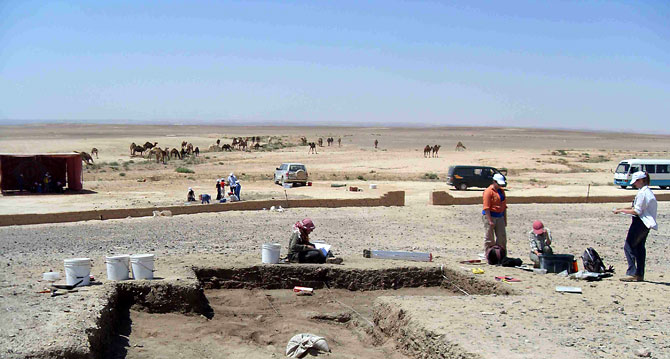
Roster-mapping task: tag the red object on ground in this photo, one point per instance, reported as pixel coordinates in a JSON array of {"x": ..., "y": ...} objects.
[
  {"x": 63, "y": 167},
  {"x": 309, "y": 184}
]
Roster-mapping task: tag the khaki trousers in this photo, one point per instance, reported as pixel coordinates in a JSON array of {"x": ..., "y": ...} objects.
[{"x": 498, "y": 229}]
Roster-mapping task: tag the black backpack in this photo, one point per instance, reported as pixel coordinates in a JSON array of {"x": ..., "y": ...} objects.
[
  {"x": 495, "y": 254},
  {"x": 593, "y": 262}
]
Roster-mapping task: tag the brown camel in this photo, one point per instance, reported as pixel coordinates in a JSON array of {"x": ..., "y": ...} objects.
[
  {"x": 303, "y": 141},
  {"x": 312, "y": 148},
  {"x": 94, "y": 151},
  {"x": 148, "y": 145},
  {"x": 460, "y": 146},
  {"x": 234, "y": 142},
  {"x": 85, "y": 157},
  {"x": 243, "y": 145},
  {"x": 189, "y": 148},
  {"x": 426, "y": 151},
  {"x": 139, "y": 149},
  {"x": 132, "y": 149},
  {"x": 183, "y": 144},
  {"x": 227, "y": 147},
  {"x": 376, "y": 143},
  {"x": 175, "y": 153},
  {"x": 159, "y": 153},
  {"x": 197, "y": 152},
  {"x": 339, "y": 142},
  {"x": 257, "y": 146},
  {"x": 436, "y": 149},
  {"x": 320, "y": 142}
]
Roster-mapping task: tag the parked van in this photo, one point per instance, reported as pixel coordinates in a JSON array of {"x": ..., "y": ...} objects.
[
  {"x": 659, "y": 171},
  {"x": 463, "y": 177}
]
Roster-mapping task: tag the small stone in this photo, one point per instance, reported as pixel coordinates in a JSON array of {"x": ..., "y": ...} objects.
[{"x": 642, "y": 352}]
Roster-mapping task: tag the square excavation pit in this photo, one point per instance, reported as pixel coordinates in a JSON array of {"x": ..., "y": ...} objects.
[{"x": 251, "y": 312}]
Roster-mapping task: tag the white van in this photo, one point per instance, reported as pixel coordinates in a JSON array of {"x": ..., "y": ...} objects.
[{"x": 659, "y": 171}]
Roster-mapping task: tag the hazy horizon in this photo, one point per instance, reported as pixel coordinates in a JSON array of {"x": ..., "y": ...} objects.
[{"x": 585, "y": 66}]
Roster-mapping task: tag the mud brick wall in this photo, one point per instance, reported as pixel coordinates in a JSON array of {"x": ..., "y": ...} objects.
[
  {"x": 395, "y": 198},
  {"x": 442, "y": 198}
]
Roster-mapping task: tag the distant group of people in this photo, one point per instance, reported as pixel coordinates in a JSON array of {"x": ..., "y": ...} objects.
[
  {"x": 45, "y": 184},
  {"x": 643, "y": 210},
  {"x": 233, "y": 196}
]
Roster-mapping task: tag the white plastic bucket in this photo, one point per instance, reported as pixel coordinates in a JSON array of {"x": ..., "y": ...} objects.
[
  {"x": 270, "y": 253},
  {"x": 77, "y": 269},
  {"x": 373, "y": 186},
  {"x": 117, "y": 267},
  {"x": 142, "y": 265}
]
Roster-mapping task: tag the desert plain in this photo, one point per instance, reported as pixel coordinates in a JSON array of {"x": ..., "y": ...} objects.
[{"x": 610, "y": 319}]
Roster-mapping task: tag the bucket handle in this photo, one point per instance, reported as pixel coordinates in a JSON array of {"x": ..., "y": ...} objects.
[{"x": 147, "y": 268}]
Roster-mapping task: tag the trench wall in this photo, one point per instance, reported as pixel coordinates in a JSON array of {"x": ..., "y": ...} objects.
[
  {"x": 442, "y": 198},
  {"x": 394, "y": 198}
]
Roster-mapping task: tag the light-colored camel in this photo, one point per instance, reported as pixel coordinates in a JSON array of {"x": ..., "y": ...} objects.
[
  {"x": 312, "y": 148},
  {"x": 436, "y": 149},
  {"x": 159, "y": 153},
  {"x": 94, "y": 151},
  {"x": 460, "y": 146},
  {"x": 213, "y": 148},
  {"x": 426, "y": 151}
]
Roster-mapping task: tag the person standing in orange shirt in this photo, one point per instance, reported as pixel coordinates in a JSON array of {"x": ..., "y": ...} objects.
[{"x": 494, "y": 213}]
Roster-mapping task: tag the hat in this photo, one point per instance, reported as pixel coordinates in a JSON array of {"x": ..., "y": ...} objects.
[
  {"x": 637, "y": 175},
  {"x": 190, "y": 189},
  {"x": 500, "y": 179},
  {"x": 538, "y": 227},
  {"x": 308, "y": 224}
]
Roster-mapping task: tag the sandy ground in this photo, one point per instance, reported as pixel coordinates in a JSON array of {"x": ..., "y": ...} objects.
[
  {"x": 539, "y": 162},
  {"x": 610, "y": 320}
]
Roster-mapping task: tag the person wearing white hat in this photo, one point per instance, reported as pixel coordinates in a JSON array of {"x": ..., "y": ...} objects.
[
  {"x": 234, "y": 184},
  {"x": 190, "y": 197},
  {"x": 494, "y": 214},
  {"x": 643, "y": 210}
]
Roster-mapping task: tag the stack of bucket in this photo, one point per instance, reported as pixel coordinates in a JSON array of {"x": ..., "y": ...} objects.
[{"x": 118, "y": 268}]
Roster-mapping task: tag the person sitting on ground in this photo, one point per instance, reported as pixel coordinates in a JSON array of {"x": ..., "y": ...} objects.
[
  {"x": 300, "y": 250},
  {"x": 540, "y": 242},
  {"x": 205, "y": 198},
  {"x": 190, "y": 197}
]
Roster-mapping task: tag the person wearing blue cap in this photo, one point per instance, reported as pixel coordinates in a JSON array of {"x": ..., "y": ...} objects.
[{"x": 643, "y": 211}]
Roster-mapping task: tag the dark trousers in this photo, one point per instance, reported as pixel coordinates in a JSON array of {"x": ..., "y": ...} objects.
[
  {"x": 311, "y": 256},
  {"x": 634, "y": 248},
  {"x": 237, "y": 189}
]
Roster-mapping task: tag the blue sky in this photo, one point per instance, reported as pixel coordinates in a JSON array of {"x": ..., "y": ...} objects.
[{"x": 600, "y": 65}]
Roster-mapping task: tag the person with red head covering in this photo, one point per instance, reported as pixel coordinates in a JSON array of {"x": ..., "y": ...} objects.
[
  {"x": 540, "y": 242},
  {"x": 300, "y": 250}
]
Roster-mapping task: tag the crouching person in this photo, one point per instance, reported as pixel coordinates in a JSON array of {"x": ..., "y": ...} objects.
[
  {"x": 540, "y": 242},
  {"x": 300, "y": 250}
]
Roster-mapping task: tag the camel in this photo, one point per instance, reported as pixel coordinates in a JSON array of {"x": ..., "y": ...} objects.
[
  {"x": 436, "y": 149},
  {"x": 182, "y": 153},
  {"x": 257, "y": 146},
  {"x": 312, "y": 148},
  {"x": 218, "y": 142},
  {"x": 183, "y": 144},
  {"x": 214, "y": 147},
  {"x": 197, "y": 152},
  {"x": 339, "y": 142},
  {"x": 132, "y": 148},
  {"x": 460, "y": 146},
  {"x": 320, "y": 142},
  {"x": 139, "y": 149},
  {"x": 226, "y": 147},
  {"x": 189, "y": 148},
  {"x": 376, "y": 143},
  {"x": 426, "y": 151},
  {"x": 303, "y": 141},
  {"x": 148, "y": 145},
  {"x": 94, "y": 151},
  {"x": 234, "y": 142},
  {"x": 329, "y": 141},
  {"x": 85, "y": 157},
  {"x": 175, "y": 153},
  {"x": 243, "y": 145},
  {"x": 159, "y": 153}
]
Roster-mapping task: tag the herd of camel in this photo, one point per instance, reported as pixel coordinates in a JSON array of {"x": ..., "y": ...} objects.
[{"x": 187, "y": 149}]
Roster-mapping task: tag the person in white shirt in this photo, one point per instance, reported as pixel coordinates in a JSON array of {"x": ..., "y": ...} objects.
[
  {"x": 644, "y": 218},
  {"x": 235, "y": 185}
]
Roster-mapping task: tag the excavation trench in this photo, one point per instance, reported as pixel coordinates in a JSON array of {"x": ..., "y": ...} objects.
[{"x": 249, "y": 312}]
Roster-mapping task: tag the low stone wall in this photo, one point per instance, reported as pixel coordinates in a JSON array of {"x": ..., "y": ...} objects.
[
  {"x": 394, "y": 198},
  {"x": 442, "y": 198}
]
